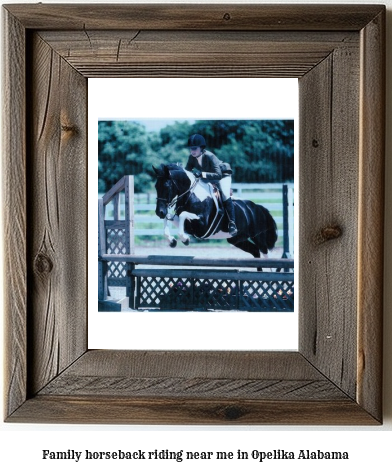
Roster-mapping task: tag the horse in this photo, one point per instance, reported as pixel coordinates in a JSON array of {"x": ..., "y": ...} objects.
[{"x": 191, "y": 203}]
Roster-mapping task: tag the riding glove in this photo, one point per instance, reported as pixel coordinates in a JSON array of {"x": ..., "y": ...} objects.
[{"x": 196, "y": 172}]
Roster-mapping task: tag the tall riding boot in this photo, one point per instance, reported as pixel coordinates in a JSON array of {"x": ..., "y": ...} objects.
[{"x": 229, "y": 208}]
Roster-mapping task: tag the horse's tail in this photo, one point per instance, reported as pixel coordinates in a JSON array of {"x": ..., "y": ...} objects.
[
  {"x": 262, "y": 226},
  {"x": 271, "y": 230},
  {"x": 266, "y": 239}
]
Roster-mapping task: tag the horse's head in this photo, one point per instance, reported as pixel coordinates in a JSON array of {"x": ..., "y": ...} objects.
[{"x": 170, "y": 181}]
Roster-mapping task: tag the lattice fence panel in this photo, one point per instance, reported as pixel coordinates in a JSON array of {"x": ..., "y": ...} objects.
[
  {"x": 202, "y": 294},
  {"x": 267, "y": 296},
  {"x": 116, "y": 244}
]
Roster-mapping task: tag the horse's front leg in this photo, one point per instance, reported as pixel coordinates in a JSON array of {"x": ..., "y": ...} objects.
[
  {"x": 181, "y": 225},
  {"x": 166, "y": 231}
]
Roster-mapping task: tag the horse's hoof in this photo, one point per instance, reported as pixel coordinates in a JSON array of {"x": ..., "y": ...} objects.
[
  {"x": 173, "y": 243},
  {"x": 186, "y": 242}
]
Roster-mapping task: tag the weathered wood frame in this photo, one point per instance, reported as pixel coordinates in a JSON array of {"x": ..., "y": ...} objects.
[{"x": 337, "y": 52}]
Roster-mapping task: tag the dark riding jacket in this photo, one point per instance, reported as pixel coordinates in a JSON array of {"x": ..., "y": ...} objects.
[{"x": 211, "y": 167}]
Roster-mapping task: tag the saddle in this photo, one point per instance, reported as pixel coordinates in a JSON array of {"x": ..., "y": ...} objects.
[
  {"x": 217, "y": 197},
  {"x": 214, "y": 192}
]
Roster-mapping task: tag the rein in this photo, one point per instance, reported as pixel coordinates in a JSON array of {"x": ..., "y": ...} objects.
[
  {"x": 214, "y": 223},
  {"x": 190, "y": 190},
  {"x": 174, "y": 201}
]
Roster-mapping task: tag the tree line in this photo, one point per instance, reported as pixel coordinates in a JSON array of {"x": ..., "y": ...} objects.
[{"x": 259, "y": 151}]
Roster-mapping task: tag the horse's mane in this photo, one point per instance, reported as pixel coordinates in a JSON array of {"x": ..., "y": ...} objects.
[{"x": 174, "y": 167}]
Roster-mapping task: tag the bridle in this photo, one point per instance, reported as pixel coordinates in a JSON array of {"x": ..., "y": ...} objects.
[{"x": 173, "y": 202}]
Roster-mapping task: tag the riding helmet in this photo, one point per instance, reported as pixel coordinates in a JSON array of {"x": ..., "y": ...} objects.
[{"x": 197, "y": 140}]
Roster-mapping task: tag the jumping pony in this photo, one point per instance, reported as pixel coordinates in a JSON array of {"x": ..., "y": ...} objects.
[{"x": 193, "y": 205}]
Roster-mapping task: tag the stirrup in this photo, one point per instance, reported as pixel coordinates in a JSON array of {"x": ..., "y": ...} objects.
[{"x": 233, "y": 231}]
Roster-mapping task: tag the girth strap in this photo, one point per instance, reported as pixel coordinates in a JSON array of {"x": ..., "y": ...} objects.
[{"x": 218, "y": 215}]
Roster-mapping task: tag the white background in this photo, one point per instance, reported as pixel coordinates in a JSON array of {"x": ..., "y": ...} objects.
[
  {"x": 168, "y": 98},
  {"x": 369, "y": 447}
]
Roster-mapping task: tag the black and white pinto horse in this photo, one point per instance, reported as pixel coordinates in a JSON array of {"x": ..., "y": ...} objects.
[{"x": 192, "y": 205}]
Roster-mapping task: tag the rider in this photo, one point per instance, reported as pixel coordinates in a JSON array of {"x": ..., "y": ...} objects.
[{"x": 206, "y": 165}]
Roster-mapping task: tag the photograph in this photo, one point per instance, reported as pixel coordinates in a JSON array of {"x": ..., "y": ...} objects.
[{"x": 196, "y": 215}]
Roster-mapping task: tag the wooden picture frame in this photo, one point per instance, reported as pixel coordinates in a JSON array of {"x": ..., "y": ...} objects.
[{"x": 337, "y": 52}]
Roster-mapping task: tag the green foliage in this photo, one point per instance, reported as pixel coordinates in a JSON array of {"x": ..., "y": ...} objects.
[
  {"x": 173, "y": 142},
  {"x": 125, "y": 148},
  {"x": 258, "y": 150}
]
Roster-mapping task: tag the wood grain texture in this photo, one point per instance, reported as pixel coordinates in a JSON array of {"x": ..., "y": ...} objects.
[
  {"x": 192, "y": 17},
  {"x": 14, "y": 212},
  {"x": 166, "y": 53},
  {"x": 57, "y": 215},
  {"x": 371, "y": 216},
  {"x": 329, "y": 196},
  {"x": 188, "y": 387},
  {"x": 208, "y": 375},
  {"x": 335, "y": 378},
  {"x": 208, "y": 364},
  {"x": 191, "y": 387},
  {"x": 103, "y": 409}
]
